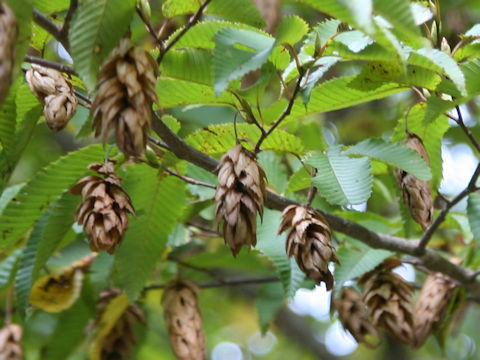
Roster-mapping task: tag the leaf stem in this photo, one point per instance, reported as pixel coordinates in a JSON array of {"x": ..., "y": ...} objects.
[{"x": 190, "y": 180}]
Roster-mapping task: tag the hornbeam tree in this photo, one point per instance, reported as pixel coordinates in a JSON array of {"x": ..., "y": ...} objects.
[{"x": 173, "y": 170}]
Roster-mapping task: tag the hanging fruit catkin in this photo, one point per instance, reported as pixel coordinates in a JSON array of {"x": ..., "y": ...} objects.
[
  {"x": 183, "y": 319},
  {"x": 56, "y": 94},
  {"x": 8, "y": 38},
  {"x": 352, "y": 313},
  {"x": 309, "y": 240},
  {"x": 388, "y": 300},
  {"x": 126, "y": 92},
  {"x": 10, "y": 346},
  {"x": 104, "y": 207},
  {"x": 416, "y": 193},
  {"x": 431, "y": 306},
  {"x": 115, "y": 321},
  {"x": 240, "y": 195}
]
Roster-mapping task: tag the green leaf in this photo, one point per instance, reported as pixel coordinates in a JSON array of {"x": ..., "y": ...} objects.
[
  {"x": 340, "y": 93},
  {"x": 342, "y": 180},
  {"x": 449, "y": 66},
  {"x": 158, "y": 203},
  {"x": 42, "y": 190},
  {"x": 236, "y": 53},
  {"x": 298, "y": 181},
  {"x": 275, "y": 170},
  {"x": 8, "y": 123},
  {"x": 217, "y": 139},
  {"x": 399, "y": 14},
  {"x": 58, "y": 224},
  {"x": 473, "y": 212},
  {"x": 320, "y": 67},
  {"x": 96, "y": 28},
  {"x": 269, "y": 301},
  {"x": 51, "y": 6},
  {"x": 24, "y": 279},
  {"x": 393, "y": 154},
  {"x": 189, "y": 64},
  {"x": 171, "y": 8},
  {"x": 272, "y": 246},
  {"x": 8, "y": 268},
  {"x": 69, "y": 332},
  {"x": 23, "y": 11},
  {"x": 356, "y": 263},
  {"x": 291, "y": 30},
  {"x": 243, "y": 11},
  {"x": 174, "y": 92}
]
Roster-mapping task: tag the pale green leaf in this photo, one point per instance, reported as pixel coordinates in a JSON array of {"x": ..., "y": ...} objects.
[
  {"x": 298, "y": 181},
  {"x": 340, "y": 93},
  {"x": 354, "y": 40},
  {"x": 342, "y": 180},
  {"x": 42, "y": 190},
  {"x": 272, "y": 246},
  {"x": 393, "y": 154},
  {"x": 171, "y": 8},
  {"x": 421, "y": 14},
  {"x": 236, "y": 53},
  {"x": 320, "y": 67},
  {"x": 269, "y": 301},
  {"x": 8, "y": 268},
  {"x": 175, "y": 92},
  {"x": 355, "y": 263},
  {"x": 159, "y": 202},
  {"x": 243, "y": 11},
  {"x": 189, "y": 64},
  {"x": 291, "y": 30},
  {"x": 473, "y": 212},
  {"x": 275, "y": 170},
  {"x": 51, "y": 6},
  {"x": 218, "y": 139},
  {"x": 96, "y": 28}
]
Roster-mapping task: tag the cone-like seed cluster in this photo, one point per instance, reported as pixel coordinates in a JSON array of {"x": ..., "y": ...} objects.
[
  {"x": 352, "y": 313},
  {"x": 121, "y": 339},
  {"x": 240, "y": 195},
  {"x": 388, "y": 300},
  {"x": 416, "y": 193},
  {"x": 309, "y": 240},
  {"x": 104, "y": 207},
  {"x": 56, "y": 94},
  {"x": 10, "y": 347},
  {"x": 431, "y": 306},
  {"x": 8, "y": 37},
  {"x": 126, "y": 92},
  {"x": 183, "y": 319}
]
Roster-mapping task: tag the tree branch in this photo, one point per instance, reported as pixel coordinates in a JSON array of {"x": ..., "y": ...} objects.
[
  {"x": 465, "y": 129},
  {"x": 427, "y": 235},
  {"x": 231, "y": 282},
  {"x": 192, "y": 21},
  {"x": 431, "y": 259},
  {"x": 50, "y": 64},
  {"x": 56, "y": 31}
]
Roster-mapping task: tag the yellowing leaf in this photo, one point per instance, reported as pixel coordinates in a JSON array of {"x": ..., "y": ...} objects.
[
  {"x": 55, "y": 293},
  {"x": 110, "y": 316}
]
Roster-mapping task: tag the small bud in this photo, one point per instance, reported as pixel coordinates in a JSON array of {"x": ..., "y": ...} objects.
[{"x": 445, "y": 47}]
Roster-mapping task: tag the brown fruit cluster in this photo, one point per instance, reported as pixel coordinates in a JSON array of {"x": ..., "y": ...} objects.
[
  {"x": 104, "y": 207},
  {"x": 309, "y": 240},
  {"x": 416, "y": 193},
  {"x": 8, "y": 38},
  {"x": 126, "y": 92},
  {"x": 352, "y": 313},
  {"x": 56, "y": 94},
  {"x": 119, "y": 342},
  {"x": 388, "y": 300},
  {"x": 431, "y": 306},
  {"x": 240, "y": 195},
  {"x": 10, "y": 347},
  {"x": 183, "y": 319}
]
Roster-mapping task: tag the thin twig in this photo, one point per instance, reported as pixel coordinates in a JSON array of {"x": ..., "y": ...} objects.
[
  {"x": 285, "y": 113},
  {"x": 204, "y": 228},
  {"x": 231, "y": 282},
  {"x": 210, "y": 272},
  {"x": 63, "y": 35},
  {"x": 55, "y": 30},
  {"x": 151, "y": 31},
  {"x": 312, "y": 191},
  {"x": 192, "y": 21},
  {"x": 50, "y": 64},
  {"x": 157, "y": 142},
  {"x": 465, "y": 129},
  {"x": 427, "y": 235},
  {"x": 190, "y": 180}
]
